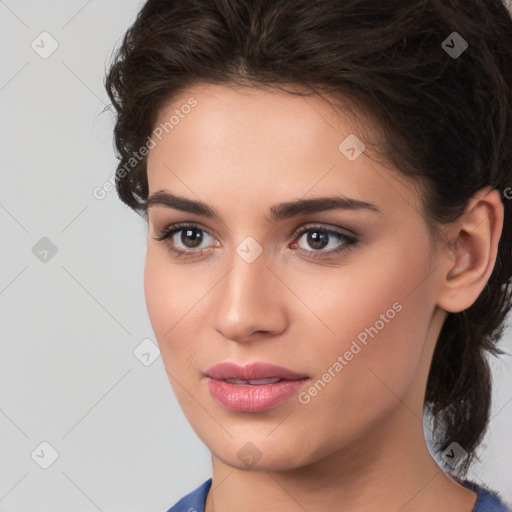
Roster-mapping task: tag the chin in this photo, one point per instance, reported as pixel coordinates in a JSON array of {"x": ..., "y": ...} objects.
[{"x": 262, "y": 454}]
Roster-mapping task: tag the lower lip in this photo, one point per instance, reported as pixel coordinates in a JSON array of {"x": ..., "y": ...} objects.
[{"x": 248, "y": 398}]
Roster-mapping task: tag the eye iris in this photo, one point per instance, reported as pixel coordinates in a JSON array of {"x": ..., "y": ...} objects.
[
  {"x": 317, "y": 239},
  {"x": 194, "y": 239}
]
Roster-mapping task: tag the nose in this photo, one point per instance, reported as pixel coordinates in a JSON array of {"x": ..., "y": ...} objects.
[{"x": 249, "y": 301}]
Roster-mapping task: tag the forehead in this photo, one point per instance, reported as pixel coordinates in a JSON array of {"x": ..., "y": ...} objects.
[
  {"x": 248, "y": 115},
  {"x": 251, "y": 144}
]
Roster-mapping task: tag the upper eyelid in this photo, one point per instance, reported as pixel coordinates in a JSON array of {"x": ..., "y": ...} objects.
[{"x": 324, "y": 227}]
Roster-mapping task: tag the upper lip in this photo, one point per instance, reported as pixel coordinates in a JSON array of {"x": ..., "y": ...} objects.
[{"x": 253, "y": 371}]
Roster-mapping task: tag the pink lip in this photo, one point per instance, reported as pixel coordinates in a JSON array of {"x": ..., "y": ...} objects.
[
  {"x": 252, "y": 371},
  {"x": 252, "y": 398}
]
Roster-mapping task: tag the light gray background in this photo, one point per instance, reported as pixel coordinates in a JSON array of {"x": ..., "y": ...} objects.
[{"x": 69, "y": 325}]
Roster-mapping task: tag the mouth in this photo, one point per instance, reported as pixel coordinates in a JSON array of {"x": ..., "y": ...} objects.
[{"x": 257, "y": 387}]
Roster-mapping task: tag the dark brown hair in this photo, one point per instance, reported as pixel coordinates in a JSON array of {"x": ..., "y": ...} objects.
[{"x": 445, "y": 121}]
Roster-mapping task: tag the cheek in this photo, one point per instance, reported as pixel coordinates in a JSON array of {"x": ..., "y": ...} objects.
[
  {"x": 373, "y": 381},
  {"x": 169, "y": 300},
  {"x": 380, "y": 313},
  {"x": 375, "y": 294},
  {"x": 160, "y": 298}
]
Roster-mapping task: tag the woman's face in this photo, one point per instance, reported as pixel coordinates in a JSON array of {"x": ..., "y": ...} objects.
[{"x": 355, "y": 313}]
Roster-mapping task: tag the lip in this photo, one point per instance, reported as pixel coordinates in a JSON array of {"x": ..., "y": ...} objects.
[
  {"x": 252, "y": 398},
  {"x": 253, "y": 371}
]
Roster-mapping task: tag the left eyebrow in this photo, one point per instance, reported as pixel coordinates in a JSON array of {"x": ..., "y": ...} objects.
[
  {"x": 278, "y": 211},
  {"x": 319, "y": 204}
]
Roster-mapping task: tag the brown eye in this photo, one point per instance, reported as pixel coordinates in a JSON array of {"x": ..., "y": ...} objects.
[
  {"x": 190, "y": 237},
  {"x": 318, "y": 238},
  {"x": 184, "y": 239}
]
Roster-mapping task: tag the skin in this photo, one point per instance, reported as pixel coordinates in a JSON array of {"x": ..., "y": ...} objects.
[{"x": 359, "y": 443}]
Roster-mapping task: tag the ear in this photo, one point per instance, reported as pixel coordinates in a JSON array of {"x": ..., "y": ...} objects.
[{"x": 472, "y": 249}]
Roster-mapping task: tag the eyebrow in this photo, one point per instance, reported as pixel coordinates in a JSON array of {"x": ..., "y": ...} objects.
[{"x": 277, "y": 212}]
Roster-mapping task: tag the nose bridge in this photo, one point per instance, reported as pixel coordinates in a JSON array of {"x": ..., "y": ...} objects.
[
  {"x": 246, "y": 283},
  {"x": 246, "y": 300}
]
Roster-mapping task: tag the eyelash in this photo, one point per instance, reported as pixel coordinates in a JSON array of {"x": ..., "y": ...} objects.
[{"x": 164, "y": 236}]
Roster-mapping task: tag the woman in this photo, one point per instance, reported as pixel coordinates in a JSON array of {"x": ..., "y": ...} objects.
[{"x": 327, "y": 188}]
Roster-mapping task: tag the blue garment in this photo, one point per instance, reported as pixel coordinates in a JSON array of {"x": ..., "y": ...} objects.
[{"x": 487, "y": 501}]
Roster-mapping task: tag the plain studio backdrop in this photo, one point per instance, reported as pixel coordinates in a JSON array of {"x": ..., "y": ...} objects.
[{"x": 88, "y": 420}]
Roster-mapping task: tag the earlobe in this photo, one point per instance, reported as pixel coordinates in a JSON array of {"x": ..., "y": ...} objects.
[{"x": 475, "y": 236}]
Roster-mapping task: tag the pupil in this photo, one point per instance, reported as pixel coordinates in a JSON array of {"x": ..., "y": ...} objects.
[
  {"x": 317, "y": 239},
  {"x": 196, "y": 240}
]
